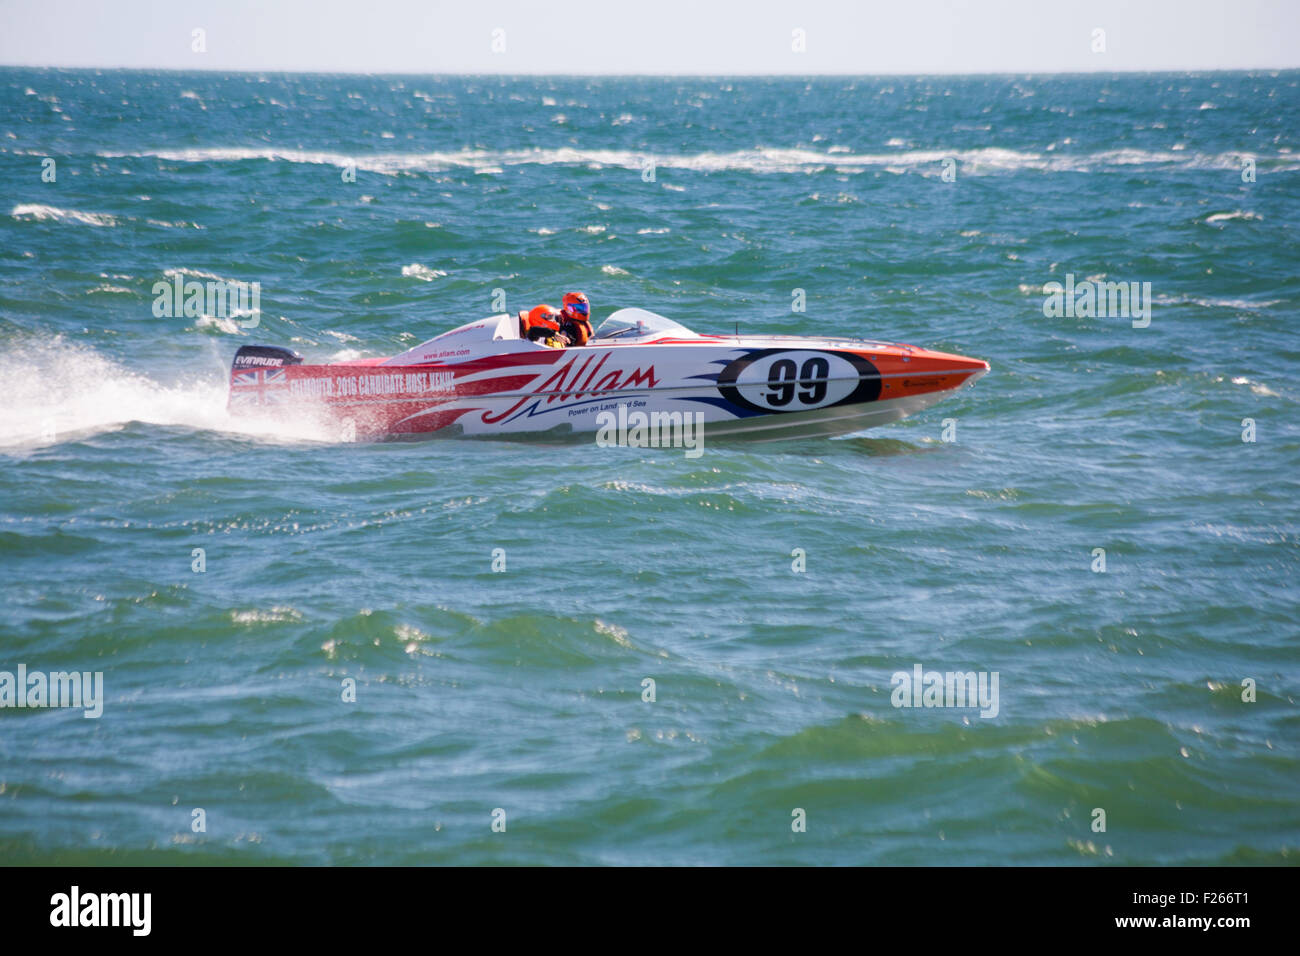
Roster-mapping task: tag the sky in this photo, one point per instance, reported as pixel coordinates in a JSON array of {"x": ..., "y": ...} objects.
[{"x": 715, "y": 37}]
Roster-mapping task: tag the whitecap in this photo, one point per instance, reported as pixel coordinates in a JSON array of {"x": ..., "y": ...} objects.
[
  {"x": 759, "y": 159},
  {"x": 417, "y": 271},
  {"x": 224, "y": 324},
  {"x": 1236, "y": 214},
  {"x": 43, "y": 213}
]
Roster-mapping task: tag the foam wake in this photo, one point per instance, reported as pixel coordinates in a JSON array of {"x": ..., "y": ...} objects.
[{"x": 57, "y": 391}]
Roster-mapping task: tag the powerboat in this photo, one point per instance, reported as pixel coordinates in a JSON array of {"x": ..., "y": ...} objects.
[{"x": 486, "y": 379}]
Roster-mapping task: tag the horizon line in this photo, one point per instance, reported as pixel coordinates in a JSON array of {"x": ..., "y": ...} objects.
[{"x": 680, "y": 75}]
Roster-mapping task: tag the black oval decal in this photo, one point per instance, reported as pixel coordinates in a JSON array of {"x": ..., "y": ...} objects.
[{"x": 798, "y": 380}]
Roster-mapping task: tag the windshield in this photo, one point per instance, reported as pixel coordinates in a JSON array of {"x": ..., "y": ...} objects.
[{"x": 636, "y": 324}]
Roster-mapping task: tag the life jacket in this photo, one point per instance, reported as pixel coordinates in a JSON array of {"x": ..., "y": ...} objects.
[{"x": 578, "y": 329}]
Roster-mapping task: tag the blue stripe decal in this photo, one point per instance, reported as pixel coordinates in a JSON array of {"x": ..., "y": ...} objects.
[{"x": 723, "y": 404}]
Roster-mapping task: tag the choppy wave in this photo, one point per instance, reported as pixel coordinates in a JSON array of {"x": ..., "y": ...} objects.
[
  {"x": 1217, "y": 302},
  {"x": 983, "y": 161},
  {"x": 422, "y": 272},
  {"x": 1235, "y": 214},
  {"x": 40, "y": 212},
  {"x": 43, "y": 213}
]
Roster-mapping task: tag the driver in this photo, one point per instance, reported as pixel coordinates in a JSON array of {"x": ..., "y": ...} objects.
[{"x": 575, "y": 318}]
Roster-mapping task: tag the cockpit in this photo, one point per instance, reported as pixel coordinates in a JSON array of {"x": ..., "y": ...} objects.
[{"x": 635, "y": 324}]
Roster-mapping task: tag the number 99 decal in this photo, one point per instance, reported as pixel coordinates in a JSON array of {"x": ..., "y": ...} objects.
[{"x": 798, "y": 380}]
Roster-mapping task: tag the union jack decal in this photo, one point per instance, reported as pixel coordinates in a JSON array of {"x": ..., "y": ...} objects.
[{"x": 259, "y": 386}]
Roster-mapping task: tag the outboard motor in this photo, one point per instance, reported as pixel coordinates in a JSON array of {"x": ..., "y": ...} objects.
[{"x": 257, "y": 375}]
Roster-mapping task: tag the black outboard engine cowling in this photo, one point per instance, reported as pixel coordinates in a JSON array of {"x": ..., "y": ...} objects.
[{"x": 264, "y": 356}]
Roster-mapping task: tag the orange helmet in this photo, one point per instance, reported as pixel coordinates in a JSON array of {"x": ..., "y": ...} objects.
[
  {"x": 576, "y": 305},
  {"x": 543, "y": 315}
]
